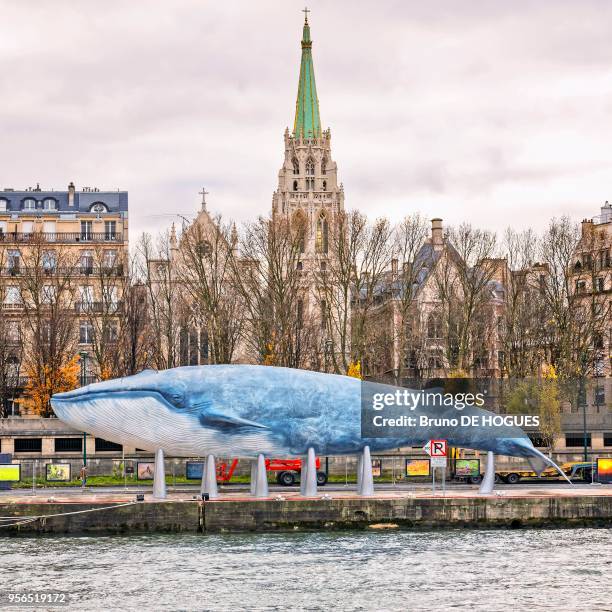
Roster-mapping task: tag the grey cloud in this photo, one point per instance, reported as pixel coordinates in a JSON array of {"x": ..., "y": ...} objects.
[{"x": 454, "y": 109}]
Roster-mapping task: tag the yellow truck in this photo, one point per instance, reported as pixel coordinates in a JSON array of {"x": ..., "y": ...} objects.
[{"x": 574, "y": 470}]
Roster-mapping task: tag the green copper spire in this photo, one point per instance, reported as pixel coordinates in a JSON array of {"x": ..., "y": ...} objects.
[{"x": 307, "y": 119}]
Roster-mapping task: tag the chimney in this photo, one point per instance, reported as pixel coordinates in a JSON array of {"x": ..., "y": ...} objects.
[
  {"x": 587, "y": 228},
  {"x": 437, "y": 234},
  {"x": 71, "y": 194}
]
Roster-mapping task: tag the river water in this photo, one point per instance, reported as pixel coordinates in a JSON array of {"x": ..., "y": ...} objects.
[{"x": 559, "y": 570}]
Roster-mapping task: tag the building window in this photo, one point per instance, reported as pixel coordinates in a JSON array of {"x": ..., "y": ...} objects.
[
  {"x": 28, "y": 445},
  {"x": 323, "y": 314},
  {"x": 111, "y": 333},
  {"x": 107, "y": 446},
  {"x": 324, "y": 165},
  {"x": 29, "y": 204},
  {"x": 50, "y": 204},
  {"x": 322, "y": 242},
  {"x": 576, "y": 439},
  {"x": 607, "y": 438},
  {"x": 324, "y": 185},
  {"x": 49, "y": 261},
  {"x": 296, "y": 166},
  {"x": 295, "y": 185},
  {"x": 14, "y": 259},
  {"x": 600, "y": 396},
  {"x": 434, "y": 326},
  {"x": 86, "y": 296},
  {"x": 110, "y": 230},
  {"x": 98, "y": 208},
  {"x": 86, "y": 230},
  {"x": 48, "y": 294},
  {"x": 3, "y": 205},
  {"x": 599, "y": 284},
  {"x": 537, "y": 439},
  {"x": 323, "y": 266},
  {"x": 27, "y": 227},
  {"x": 109, "y": 259},
  {"x": 299, "y": 266},
  {"x": 45, "y": 332},
  {"x": 86, "y": 262},
  {"x": 12, "y": 296},
  {"x": 85, "y": 332},
  {"x": 580, "y": 286},
  {"x": 310, "y": 167},
  {"x": 68, "y": 445}
]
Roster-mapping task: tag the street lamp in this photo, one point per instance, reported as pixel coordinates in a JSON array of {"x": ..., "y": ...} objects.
[
  {"x": 84, "y": 355},
  {"x": 327, "y": 352}
]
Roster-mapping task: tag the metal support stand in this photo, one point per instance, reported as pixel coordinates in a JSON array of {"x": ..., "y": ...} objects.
[
  {"x": 303, "y": 473},
  {"x": 488, "y": 482},
  {"x": 310, "y": 490},
  {"x": 253, "y": 475},
  {"x": 367, "y": 479},
  {"x": 210, "y": 477},
  {"x": 261, "y": 480},
  {"x": 159, "y": 476}
]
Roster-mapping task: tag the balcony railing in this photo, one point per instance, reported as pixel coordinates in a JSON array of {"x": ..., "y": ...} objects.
[
  {"x": 61, "y": 237},
  {"x": 17, "y": 271},
  {"x": 99, "y": 307}
]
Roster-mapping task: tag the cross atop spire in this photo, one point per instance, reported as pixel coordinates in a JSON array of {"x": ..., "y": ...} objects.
[
  {"x": 203, "y": 193},
  {"x": 306, "y": 10}
]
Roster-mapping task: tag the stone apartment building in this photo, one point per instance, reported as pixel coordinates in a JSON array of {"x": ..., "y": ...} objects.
[{"x": 62, "y": 271}]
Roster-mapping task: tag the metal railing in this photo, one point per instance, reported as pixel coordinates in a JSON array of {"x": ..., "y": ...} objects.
[
  {"x": 61, "y": 237},
  {"x": 79, "y": 270}
]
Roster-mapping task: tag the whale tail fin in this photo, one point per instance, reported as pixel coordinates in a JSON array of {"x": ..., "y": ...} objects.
[{"x": 540, "y": 461}]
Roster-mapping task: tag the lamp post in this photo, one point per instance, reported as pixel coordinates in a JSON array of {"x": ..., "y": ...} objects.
[
  {"x": 84, "y": 355},
  {"x": 327, "y": 352}
]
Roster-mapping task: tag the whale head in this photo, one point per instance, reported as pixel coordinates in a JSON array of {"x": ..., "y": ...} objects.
[{"x": 177, "y": 410}]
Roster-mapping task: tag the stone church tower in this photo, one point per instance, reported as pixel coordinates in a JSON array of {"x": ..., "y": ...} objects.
[{"x": 308, "y": 182}]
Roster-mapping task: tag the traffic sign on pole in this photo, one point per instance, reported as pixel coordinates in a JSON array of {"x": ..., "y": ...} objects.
[{"x": 436, "y": 448}]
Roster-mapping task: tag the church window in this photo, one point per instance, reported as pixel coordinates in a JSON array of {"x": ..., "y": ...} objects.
[
  {"x": 295, "y": 185},
  {"x": 434, "y": 326},
  {"x": 299, "y": 225},
  {"x": 296, "y": 166},
  {"x": 322, "y": 234},
  {"x": 324, "y": 165},
  {"x": 324, "y": 185},
  {"x": 310, "y": 167}
]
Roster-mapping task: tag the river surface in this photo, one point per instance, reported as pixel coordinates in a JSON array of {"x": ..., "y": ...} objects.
[{"x": 559, "y": 570}]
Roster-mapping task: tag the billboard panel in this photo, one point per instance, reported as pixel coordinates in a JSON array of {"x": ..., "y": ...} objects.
[
  {"x": 58, "y": 472},
  {"x": 467, "y": 467},
  {"x": 10, "y": 472},
  {"x": 417, "y": 467}
]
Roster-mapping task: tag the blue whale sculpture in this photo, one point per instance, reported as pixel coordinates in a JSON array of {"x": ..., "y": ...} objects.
[{"x": 247, "y": 410}]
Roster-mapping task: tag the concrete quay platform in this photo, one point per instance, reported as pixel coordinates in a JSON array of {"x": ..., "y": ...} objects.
[{"x": 119, "y": 513}]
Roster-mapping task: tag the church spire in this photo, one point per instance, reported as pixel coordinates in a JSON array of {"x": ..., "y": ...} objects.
[{"x": 307, "y": 119}]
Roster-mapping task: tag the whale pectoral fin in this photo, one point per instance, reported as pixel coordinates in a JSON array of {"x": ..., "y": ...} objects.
[{"x": 227, "y": 422}]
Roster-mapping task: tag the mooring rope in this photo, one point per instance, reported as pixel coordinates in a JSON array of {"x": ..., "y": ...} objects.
[{"x": 31, "y": 519}]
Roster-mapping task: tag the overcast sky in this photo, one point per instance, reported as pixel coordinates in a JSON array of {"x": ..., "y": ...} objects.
[{"x": 494, "y": 112}]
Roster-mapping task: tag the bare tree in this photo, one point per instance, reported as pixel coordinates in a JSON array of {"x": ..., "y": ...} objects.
[
  {"x": 158, "y": 269},
  {"x": 47, "y": 297},
  {"x": 274, "y": 292},
  {"x": 463, "y": 277},
  {"x": 206, "y": 273}
]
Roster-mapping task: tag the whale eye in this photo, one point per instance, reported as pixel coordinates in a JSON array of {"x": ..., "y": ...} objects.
[{"x": 174, "y": 397}]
